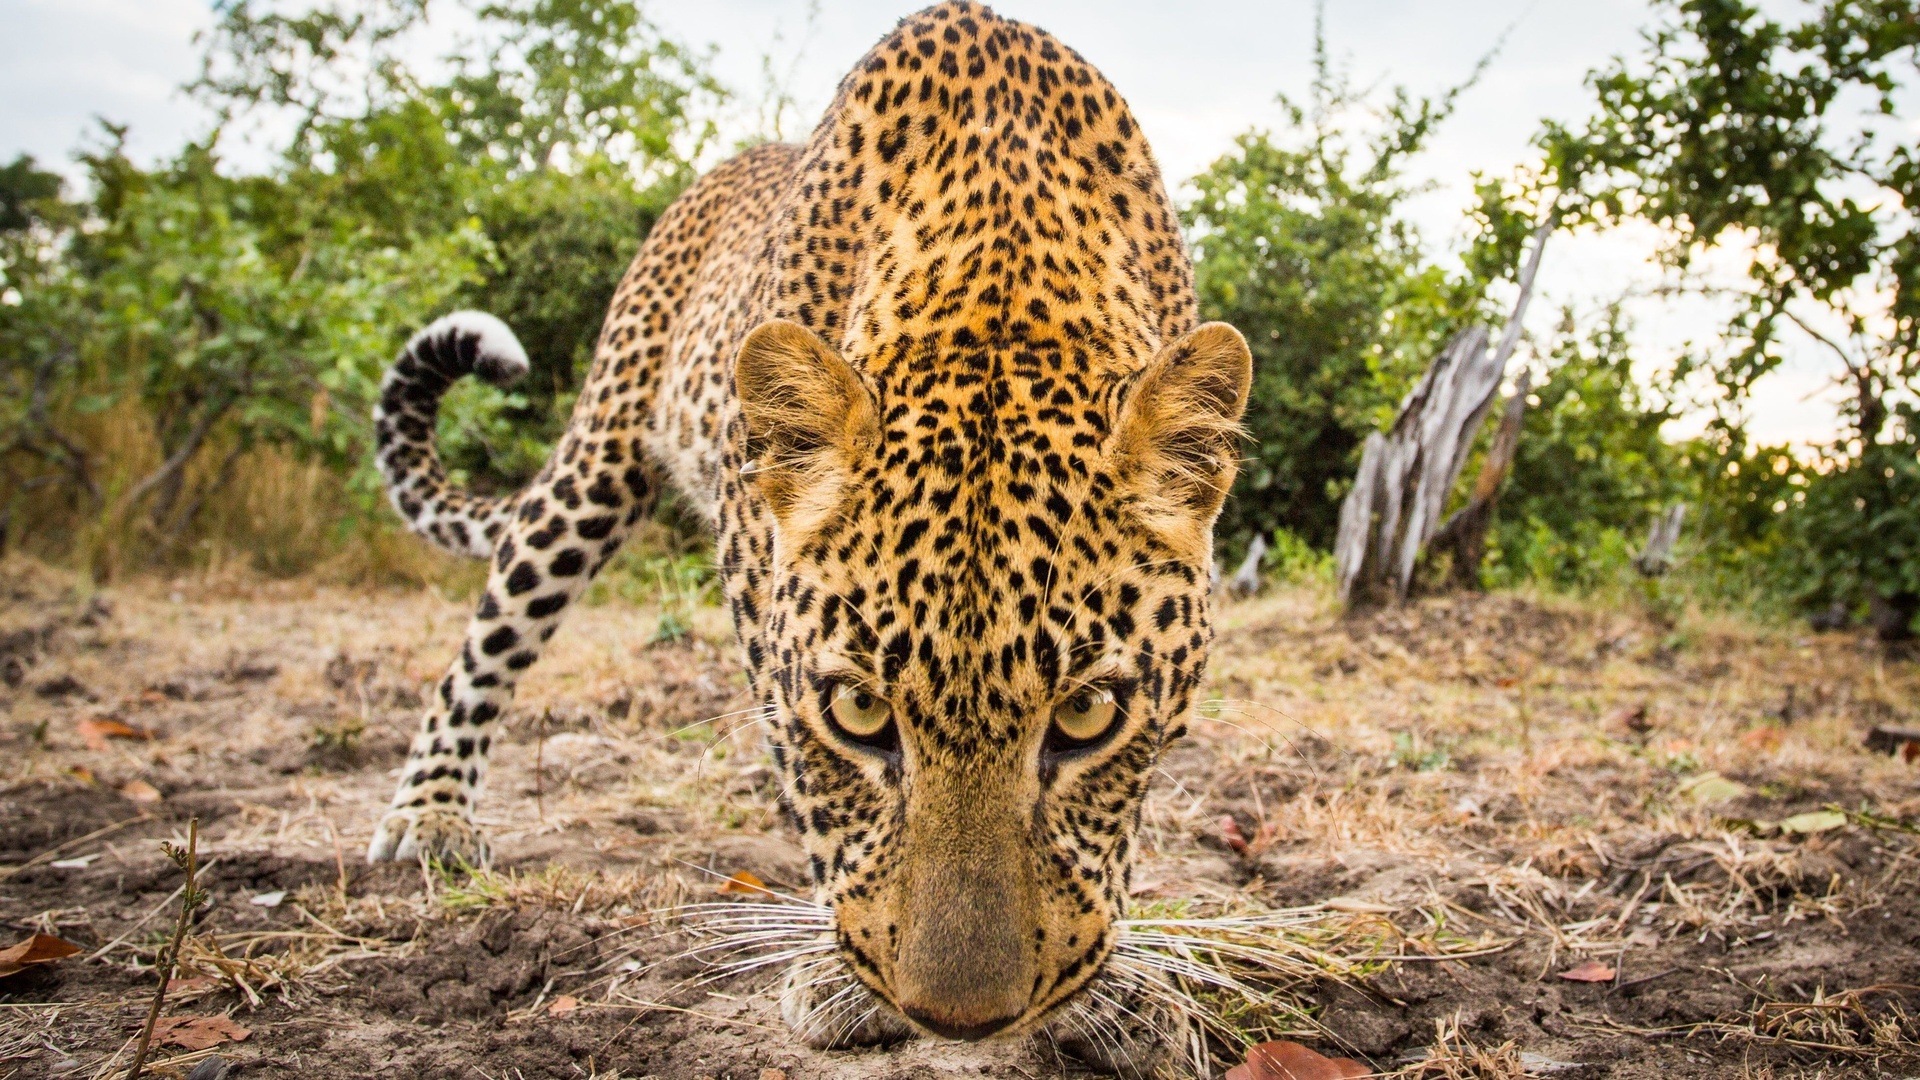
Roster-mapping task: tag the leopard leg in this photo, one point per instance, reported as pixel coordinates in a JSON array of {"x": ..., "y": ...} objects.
[{"x": 565, "y": 527}]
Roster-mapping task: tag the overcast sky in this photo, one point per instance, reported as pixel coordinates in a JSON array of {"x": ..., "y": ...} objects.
[{"x": 1196, "y": 75}]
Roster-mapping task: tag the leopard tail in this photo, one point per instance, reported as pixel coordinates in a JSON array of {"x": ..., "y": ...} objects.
[{"x": 463, "y": 343}]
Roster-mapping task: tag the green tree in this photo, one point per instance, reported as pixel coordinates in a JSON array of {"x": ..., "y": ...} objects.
[
  {"x": 169, "y": 296},
  {"x": 563, "y": 133},
  {"x": 236, "y": 312},
  {"x": 1591, "y": 467},
  {"x": 1735, "y": 128}
]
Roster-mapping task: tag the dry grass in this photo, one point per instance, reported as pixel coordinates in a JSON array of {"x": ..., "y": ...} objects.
[
  {"x": 262, "y": 510},
  {"x": 1454, "y": 1055},
  {"x": 1448, "y": 793}
]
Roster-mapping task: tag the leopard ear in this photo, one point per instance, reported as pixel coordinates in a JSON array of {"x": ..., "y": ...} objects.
[
  {"x": 808, "y": 416},
  {"x": 1178, "y": 433}
]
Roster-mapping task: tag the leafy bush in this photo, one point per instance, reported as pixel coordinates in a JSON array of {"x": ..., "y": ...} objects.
[{"x": 180, "y": 330}]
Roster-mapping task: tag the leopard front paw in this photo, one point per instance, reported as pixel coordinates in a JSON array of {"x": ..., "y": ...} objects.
[
  {"x": 829, "y": 1009},
  {"x": 1132, "y": 1034},
  {"x": 407, "y": 833}
]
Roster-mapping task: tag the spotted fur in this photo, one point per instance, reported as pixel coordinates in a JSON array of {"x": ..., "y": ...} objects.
[{"x": 934, "y": 379}]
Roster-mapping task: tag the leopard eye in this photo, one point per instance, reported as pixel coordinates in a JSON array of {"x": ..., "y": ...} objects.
[
  {"x": 1083, "y": 718},
  {"x": 860, "y": 714}
]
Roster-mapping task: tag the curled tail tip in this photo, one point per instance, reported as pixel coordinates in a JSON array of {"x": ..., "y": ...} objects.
[
  {"x": 476, "y": 342},
  {"x": 450, "y": 348}
]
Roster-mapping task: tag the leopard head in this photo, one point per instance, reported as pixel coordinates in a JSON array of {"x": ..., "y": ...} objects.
[{"x": 987, "y": 616}]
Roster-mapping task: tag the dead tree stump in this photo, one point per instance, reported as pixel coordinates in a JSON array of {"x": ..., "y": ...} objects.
[
  {"x": 1465, "y": 532},
  {"x": 1407, "y": 472},
  {"x": 1656, "y": 558}
]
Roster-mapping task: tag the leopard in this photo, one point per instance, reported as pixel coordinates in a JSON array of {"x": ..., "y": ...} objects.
[{"x": 936, "y": 381}]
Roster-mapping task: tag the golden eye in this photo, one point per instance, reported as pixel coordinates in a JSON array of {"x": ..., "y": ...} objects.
[
  {"x": 1085, "y": 717},
  {"x": 859, "y": 713}
]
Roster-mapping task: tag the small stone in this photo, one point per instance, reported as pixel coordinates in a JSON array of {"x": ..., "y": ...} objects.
[{"x": 213, "y": 1068}]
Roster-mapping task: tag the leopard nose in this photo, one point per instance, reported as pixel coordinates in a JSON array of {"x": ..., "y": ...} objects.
[{"x": 966, "y": 1032}]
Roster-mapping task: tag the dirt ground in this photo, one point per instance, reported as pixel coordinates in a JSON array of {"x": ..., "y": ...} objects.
[{"x": 1471, "y": 797}]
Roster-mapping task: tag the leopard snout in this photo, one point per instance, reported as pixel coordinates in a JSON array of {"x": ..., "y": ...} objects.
[{"x": 966, "y": 911}]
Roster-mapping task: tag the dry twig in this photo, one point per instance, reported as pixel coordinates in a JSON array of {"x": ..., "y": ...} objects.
[{"x": 190, "y": 900}]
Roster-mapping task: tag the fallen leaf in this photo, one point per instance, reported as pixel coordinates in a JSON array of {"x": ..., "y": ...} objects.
[
  {"x": 268, "y": 899},
  {"x": 1909, "y": 751},
  {"x": 98, "y": 730},
  {"x": 1711, "y": 787},
  {"x": 1816, "y": 821},
  {"x": 1290, "y": 1061},
  {"x": 773, "y": 1074},
  {"x": 80, "y": 773},
  {"x": 140, "y": 791},
  {"x": 1230, "y": 832},
  {"x": 38, "y": 949},
  {"x": 745, "y": 881},
  {"x": 563, "y": 1005},
  {"x": 1593, "y": 971},
  {"x": 79, "y": 862},
  {"x": 197, "y": 1032},
  {"x": 1764, "y": 737}
]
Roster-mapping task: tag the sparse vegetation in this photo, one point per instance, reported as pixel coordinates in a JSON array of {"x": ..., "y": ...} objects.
[{"x": 1612, "y": 789}]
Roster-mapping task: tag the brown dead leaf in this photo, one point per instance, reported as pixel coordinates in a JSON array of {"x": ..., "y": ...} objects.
[
  {"x": 563, "y": 1005},
  {"x": 1231, "y": 834},
  {"x": 773, "y": 1074},
  {"x": 140, "y": 791},
  {"x": 80, "y": 773},
  {"x": 98, "y": 730},
  {"x": 1764, "y": 737},
  {"x": 197, "y": 1032},
  {"x": 37, "y": 949},
  {"x": 746, "y": 882},
  {"x": 1593, "y": 971},
  {"x": 1284, "y": 1060}
]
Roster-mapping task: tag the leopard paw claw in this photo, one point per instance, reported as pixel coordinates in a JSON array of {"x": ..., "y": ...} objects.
[{"x": 406, "y": 835}]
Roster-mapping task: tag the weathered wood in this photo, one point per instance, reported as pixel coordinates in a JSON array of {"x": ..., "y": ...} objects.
[
  {"x": 1246, "y": 580},
  {"x": 1407, "y": 473},
  {"x": 1891, "y": 739},
  {"x": 1465, "y": 532},
  {"x": 1657, "y": 557}
]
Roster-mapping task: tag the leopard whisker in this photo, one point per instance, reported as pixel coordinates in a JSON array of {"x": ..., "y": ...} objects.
[
  {"x": 1244, "y": 703},
  {"x": 826, "y": 1009},
  {"x": 758, "y": 889},
  {"x": 1093, "y": 1028},
  {"x": 1183, "y": 1004},
  {"x": 854, "y": 1025}
]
